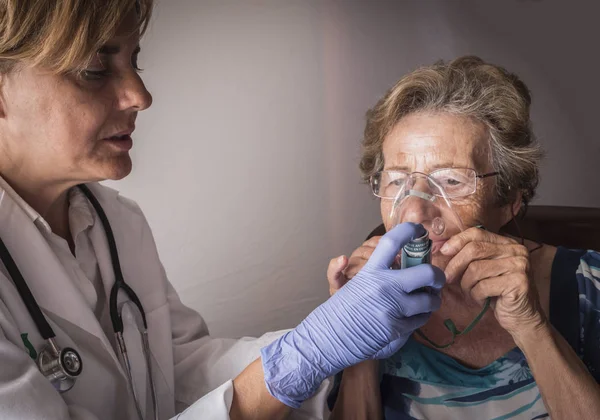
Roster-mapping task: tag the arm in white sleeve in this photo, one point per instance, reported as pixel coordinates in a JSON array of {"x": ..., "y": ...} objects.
[{"x": 205, "y": 368}]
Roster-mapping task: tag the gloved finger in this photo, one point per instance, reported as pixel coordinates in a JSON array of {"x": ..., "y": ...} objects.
[
  {"x": 422, "y": 275},
  {"x": 420, "y": 303},
  {"x": 409, "y": 326},
  {"x": 392, "y": 242},
  {"x": 335, "y": 273},
  {"x": 389, "y": 350}
]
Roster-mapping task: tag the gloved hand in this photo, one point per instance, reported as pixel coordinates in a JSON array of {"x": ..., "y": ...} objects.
[{"x": 371, "y": 317}]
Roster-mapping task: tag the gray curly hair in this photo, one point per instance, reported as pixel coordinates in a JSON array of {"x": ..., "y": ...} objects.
[{"x": 470, "y": 87}]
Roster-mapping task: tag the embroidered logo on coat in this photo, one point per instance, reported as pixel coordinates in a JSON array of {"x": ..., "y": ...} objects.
[{"x": 29, "y": 346}]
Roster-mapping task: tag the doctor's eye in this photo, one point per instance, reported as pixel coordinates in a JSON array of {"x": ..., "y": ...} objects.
[
  {"x": 97, "y": 69},
  {"x": 134, "y": 60},
  {"x": 91, "y": 75}
]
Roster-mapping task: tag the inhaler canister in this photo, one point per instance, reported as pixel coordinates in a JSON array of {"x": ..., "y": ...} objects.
[{"x": 417, "y": 251}]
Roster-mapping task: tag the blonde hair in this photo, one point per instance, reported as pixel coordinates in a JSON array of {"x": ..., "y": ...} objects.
[
  {"x": 470, "y": 87},
  {"x": 62, "y": 35}
]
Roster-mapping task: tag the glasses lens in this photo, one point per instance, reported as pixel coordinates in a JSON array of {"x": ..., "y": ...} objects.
[
  {"x": 386, "y": 184},
  {"x": 456, "y": 182}
]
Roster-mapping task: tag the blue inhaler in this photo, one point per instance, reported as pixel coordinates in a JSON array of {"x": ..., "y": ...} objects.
[{"x": 417, "y": 251}]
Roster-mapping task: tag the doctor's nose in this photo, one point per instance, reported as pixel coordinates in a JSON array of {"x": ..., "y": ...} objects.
[{"x": 132, "y": 93}]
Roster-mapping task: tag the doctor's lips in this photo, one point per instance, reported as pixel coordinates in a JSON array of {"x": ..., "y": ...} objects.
[{"x": 121, "y": 139}]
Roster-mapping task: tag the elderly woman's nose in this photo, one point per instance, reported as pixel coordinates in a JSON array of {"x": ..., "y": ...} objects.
[
  {"x": 419, "y": 183},
  {"x": 132, "y": 93},
  {"x": 416, "y": 210}
]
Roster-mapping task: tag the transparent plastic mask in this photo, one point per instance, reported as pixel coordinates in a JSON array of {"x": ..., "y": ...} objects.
[{"x": 422, "y": 200}]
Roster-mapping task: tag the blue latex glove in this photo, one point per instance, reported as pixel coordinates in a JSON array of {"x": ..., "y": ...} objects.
[{"x": 371, "y": 317}]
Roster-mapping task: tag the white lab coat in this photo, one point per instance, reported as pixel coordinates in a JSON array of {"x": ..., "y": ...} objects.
[{"x": 192, "y": 371}]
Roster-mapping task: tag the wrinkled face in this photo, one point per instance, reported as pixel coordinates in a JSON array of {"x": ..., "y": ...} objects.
[
  {"x": 75, "y": 127},
  {"x": 425, "y": 142}
]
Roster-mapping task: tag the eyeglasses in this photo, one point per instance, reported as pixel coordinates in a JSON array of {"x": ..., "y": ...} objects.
[{"x": 455, "y": 182}]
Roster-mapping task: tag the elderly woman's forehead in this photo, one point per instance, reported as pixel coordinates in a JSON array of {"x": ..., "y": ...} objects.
[{"x": 437, "y": 139}]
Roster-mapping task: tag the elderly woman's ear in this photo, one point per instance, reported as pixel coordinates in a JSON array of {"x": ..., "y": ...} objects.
[{"x": 512, "y": 209}]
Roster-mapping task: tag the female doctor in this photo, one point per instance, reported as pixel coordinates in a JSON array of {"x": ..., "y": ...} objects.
[{"x": 90, "y": 327}]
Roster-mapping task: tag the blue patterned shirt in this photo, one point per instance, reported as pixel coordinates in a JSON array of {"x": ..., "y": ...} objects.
[{"x": 419, "y": 382}]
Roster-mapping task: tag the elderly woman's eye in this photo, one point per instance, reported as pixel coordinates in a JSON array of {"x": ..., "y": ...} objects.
[{"x": 453, "y": 182}]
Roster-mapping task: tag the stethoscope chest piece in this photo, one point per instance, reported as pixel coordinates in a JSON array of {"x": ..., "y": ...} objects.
[{"x": 60, "y": 366}]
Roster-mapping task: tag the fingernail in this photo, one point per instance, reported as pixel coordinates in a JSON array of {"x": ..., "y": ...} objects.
[
  {"x": 340, "y": 259},
  {"x": 445, "y": 248}
]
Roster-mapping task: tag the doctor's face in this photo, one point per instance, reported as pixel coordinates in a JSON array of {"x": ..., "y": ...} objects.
[
  {"x": 74, "y": 127},
  {"x": 426, "y": 142}
]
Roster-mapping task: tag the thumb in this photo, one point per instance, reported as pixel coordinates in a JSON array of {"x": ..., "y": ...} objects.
[
  {"x": 390, "y": 244},
  {"x": 335, "y": 273}
]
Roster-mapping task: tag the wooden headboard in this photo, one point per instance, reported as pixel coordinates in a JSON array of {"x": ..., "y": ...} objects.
[{"x": 572, "y": 227}]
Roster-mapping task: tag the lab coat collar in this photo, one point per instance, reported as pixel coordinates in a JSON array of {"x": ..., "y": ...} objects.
[
  {"x": 81, "y": 214},
  {"x": 27, "y": 209}
]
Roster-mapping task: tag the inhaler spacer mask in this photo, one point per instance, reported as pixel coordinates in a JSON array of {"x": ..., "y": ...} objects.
[{"x": 422, "y": 199}]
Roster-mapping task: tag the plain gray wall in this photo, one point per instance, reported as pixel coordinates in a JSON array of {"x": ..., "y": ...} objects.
[{"x": 246, "y": 165}]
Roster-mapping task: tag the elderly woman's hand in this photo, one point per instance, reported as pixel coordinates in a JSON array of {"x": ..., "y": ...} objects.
[
  {"x": 489, "y": 265},
  {"x": 342, "y": 269}
]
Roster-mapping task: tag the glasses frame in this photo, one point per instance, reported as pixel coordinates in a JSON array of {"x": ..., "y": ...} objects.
[{"x": 409, "y": 174}]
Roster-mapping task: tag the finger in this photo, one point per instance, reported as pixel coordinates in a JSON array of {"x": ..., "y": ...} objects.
[
  {"x": 335, "y": 273},
  {"x": 484, "y": 269},
  {"x": 372, "y": 242},
  {"x": 354, "y": 266},
  {"x": 390, "y": 244},
  {"x": 421, "y": 303},
  {"x": 409, "y": 324},
  {"x": 360, "y": 256},
  {"x": 363, "y": 252},
  {"x": 474, "y": 251},
  {"x": 459, "y": 241},
  {"x": 513, "y": 284},
  {"x": 422, "y": 275}
]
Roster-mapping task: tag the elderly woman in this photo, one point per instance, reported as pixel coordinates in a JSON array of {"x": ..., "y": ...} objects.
[{"x": 467, "y": 123}]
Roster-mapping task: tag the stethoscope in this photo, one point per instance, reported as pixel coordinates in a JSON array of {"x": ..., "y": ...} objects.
[{"x": 63, "y": 366}]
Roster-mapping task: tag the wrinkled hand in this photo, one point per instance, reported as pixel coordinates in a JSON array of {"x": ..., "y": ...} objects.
[
  {"x": 371, "y": 317},
  {"x": 342, "y": 269},
  {"x": 489, "y": 265}
]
